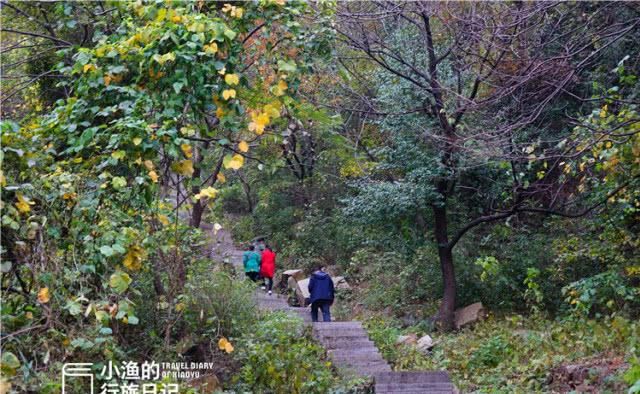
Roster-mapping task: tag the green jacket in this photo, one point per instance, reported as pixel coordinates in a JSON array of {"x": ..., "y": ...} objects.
[{"x": 251, "y": 261}]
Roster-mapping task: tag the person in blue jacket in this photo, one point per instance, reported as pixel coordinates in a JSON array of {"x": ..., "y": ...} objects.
[
  {"x": 251, "y": 263},
  {"x": 321, "y": 293}
]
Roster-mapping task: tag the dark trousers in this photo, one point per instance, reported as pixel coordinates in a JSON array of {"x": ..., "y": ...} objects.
[
  {"x": 324, "y": 306},
  {"x": 269, "y": 283},
  {"x": 252, "y": 275}
]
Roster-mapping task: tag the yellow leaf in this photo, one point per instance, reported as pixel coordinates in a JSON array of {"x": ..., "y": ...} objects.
[
  {"x": 3, "y": 180},
  {"x": 243, "y": 146},
  {"x": 154, "y": 176},
  {"x": 272, "y": 110},
  {"x": 162, "y": 12},
  {"x": 148, "y": 164},
  {"x": 219, "y": 112},
  {"x": 43, "y": 295},
  {"x": 259, "y": 122},
  {"x": 221, "y": 178},
  {"x": 224, "y": 344},
  {"x": 163, "y": 219},
  {"x": 186, "y": 149},
  {"x": 137, "y": 141},
  {"x": 88, "y": 67},
  {"x": 133, "y": 258},
  {"x": 23, "y": 203},
  {"x": 280, "y": 89},
  {"x": 237, "y": 12},
  {"x": 184, "y": 167},
  {"x": 228, "y": 94},
  {"x": 211, "y": 48},
  {"x": 208, "y": 192},
  {"x": 107, "y": 80},
  {"x": 179, "y": 307},
  {"x": 232, "y": 79},
  {"x": 223, "y": 71},
  {"x": 235, "y": 162}
]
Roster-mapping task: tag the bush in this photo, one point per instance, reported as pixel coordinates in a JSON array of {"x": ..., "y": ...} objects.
[
  {"x": 215, "y": 304},
  {"x": 278, "y": 356}
]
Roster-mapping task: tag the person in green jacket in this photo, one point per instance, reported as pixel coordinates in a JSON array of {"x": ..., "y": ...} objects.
[{"x": 251, "y": 262}]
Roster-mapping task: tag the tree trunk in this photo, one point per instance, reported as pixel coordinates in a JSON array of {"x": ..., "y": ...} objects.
[
  {"x": 196, "y": 214},
  {"x": 445, "y": 315}
]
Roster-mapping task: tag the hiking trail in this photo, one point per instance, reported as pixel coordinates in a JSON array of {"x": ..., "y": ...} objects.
[{"x": 346, "y": 342}]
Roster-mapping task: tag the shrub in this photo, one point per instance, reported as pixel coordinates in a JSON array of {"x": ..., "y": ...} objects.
[
  {"x": 215, "y": 304},
  {"x": 277, "y": 355}
]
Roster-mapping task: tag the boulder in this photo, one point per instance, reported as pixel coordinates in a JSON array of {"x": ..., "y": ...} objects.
[
  {"x": 292, "y": 283},
  {"x": 425, "y": 344},
  {"x": 295, "y": 274},
  {"x": 468, "y": 315},
  {"x": 285, "y": 278},
  {"x": 340, "y": 283},
  {"x": 302, "y": 292},
  {"x": 410, "y": 339}
]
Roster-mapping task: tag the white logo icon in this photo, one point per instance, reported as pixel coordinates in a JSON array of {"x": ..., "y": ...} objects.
[{"x": 79, "y": 370}]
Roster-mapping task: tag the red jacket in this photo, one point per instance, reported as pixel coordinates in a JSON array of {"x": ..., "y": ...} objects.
[{"x": 268, "y": 264}]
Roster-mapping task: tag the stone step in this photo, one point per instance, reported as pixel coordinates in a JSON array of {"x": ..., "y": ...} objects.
[
  {"x": 363, "y": 370},
  {"x": 413, "y": 377},
  {"x": 356, "y": 357},
  {"x": 348, "y": 343},
  {"x": 341, "y": 335},
  {"x": 362, "y": 365},
  {"x": 337, "y": 325}
]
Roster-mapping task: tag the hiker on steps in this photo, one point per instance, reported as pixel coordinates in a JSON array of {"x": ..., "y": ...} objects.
[
  {"x": 251, "y": 262},
  {"x": 321, "y": 293},
  {"x": 268, "y": 267}
]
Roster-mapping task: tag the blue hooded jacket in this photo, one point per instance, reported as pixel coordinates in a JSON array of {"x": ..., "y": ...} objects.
[{"x": 321, "y": 287}]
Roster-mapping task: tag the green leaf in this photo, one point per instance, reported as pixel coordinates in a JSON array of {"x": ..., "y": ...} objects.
[
  {"x": 9, "y": 363},
  {"x": 106, "y": 250},
  {"x": 119, "y": 281},
  {"x": 286, "y": 66},
  {"x": 132, "y": 320}
]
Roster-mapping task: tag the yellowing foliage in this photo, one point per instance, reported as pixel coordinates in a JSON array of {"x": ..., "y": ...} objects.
[
  {"x": 208, "y": 192},
  {"x": 23, "y": 204},
  {"x": 43, "y": 295},
  {"x": 133, "y": 258},
  {"x": 232, "y": 79},
  {"x": 234, "y": 162},
  {"x": 184, "y": 167},
  {"x": 228, "y": 94},
  {"x": 224, "y": 344},
  {"x": 186, "y": 149},
  {"x": 243, "y": 146},
  {"x": 259, "y": 122}
]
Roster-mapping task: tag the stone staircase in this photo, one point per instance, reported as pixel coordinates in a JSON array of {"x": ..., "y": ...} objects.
[
  {"x": 347, "y": 343},
  {"x": 349, "y": 348}
]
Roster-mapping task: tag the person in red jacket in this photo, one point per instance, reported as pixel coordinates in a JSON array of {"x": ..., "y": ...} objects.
[{"x": 268, "y": 266}]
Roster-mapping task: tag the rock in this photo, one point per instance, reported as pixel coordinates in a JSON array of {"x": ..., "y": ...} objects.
[
  {"x": 425, "y": 344},
  {"x": 302, "y": 292},
  {"x": 285, "y": 278},
  {"x": 295, "y": 274},
  {"x": 410, "y": 339},
  {"x": 468, "y": 315},
  {"x": 292, "y": 283},
  {"x": 340, "y": 283}
]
